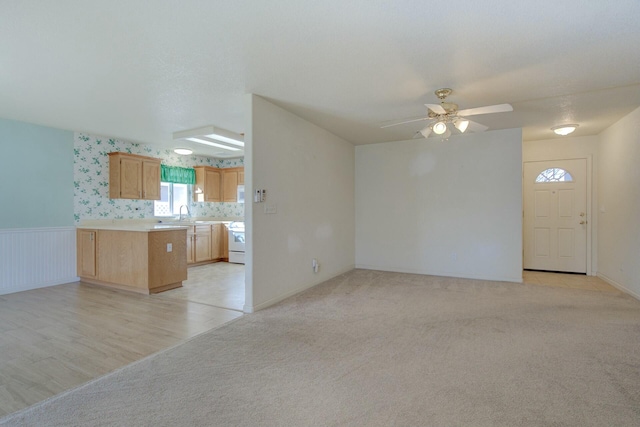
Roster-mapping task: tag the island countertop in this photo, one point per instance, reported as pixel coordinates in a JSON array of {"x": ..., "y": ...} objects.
[{"x": 145, "y": 228}]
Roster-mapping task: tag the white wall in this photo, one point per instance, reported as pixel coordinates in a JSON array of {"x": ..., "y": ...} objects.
[
  {"x": 309, "y": 177},
  {"x": 444, "y": 208},
  {"x": 582, "y": 147},
  {"x": 619, "y": 204}
]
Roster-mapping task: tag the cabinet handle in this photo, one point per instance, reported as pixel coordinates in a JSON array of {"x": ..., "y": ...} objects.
[
  {"x": 139, "y": 193},
  {"x": 91, "y": 236}
]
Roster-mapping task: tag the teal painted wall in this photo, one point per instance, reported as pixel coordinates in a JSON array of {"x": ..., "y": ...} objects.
[{"x": 36, "y": 176}]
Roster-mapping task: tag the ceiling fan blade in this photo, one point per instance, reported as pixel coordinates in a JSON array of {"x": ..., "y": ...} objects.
[
  {"x": 436, "y": 108},
  {"x": 476, "y": 127},
  {"x": 500, "y": 108},
  {"x": 406, "y": 121}
]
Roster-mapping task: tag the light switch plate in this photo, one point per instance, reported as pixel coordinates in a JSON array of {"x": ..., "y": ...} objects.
[{"x": 169, "y": 247}]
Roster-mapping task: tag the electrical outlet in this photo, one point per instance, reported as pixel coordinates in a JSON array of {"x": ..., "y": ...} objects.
[{"x": 169, "y": 247}]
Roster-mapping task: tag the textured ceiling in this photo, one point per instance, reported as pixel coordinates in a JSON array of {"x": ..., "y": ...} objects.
[{"x": 141, "y": 70}]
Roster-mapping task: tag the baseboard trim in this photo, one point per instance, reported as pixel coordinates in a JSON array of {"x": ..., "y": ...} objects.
[
  {"x": 32, "y": 286},
  {"x": 272, "y": 301},
  {"x": 619, "y": 286},
  {"x": 516, "y": 279}
]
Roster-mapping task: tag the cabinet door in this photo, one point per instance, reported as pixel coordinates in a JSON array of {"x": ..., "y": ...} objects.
[
  {"x": 130, "y": 178},
  {"x": 216, "y": 243},
  {"x": 150, "y": 180},
  {"x": 203, "y": 247},
  {"x": 190, "y": 258},
  {"x": 230, "y": 184},
  {"x": 225, "y": 242},
  {"x": 87, "y": 253},
  {"x": 212, "y": 186}
]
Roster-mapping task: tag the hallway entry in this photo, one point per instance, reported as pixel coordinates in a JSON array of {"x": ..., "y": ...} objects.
[{"x": 555, "y": 215}]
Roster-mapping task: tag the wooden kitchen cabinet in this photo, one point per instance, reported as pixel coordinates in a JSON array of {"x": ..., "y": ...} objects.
[
  {"x": 207, "y": 243},
  {"x": 190, "y": 246},
  {"x": 208, "y": 184},
  {"x": 86, "y": 256},
  {"x": 224, "y": 238},
  {"x": 203, "y": 244},
  {"x": 133, "y": 177},
  {"x": 216, "y": 241},
  {"x": 140, "y": 261},
  {"x": 217, "y": 185},
  {"x": 230, "y": 185}
]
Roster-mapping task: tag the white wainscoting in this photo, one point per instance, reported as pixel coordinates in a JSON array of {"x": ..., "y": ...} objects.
[{"x": 36, "y": 257}]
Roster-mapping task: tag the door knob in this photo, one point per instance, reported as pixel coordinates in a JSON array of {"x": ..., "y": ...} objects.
[
  {"x": 582, "y": 213},
  {"x": 583, "y": 222}
]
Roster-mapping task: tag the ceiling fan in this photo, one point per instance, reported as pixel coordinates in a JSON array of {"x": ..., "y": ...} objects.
[{"x": 445, "y": 114}]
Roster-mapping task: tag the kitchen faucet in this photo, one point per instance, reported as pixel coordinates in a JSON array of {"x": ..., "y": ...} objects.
[{"x": 180, "y": 212}]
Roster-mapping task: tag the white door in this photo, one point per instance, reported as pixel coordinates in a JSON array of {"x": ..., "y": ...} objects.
[{"x": 555, "y": 215}]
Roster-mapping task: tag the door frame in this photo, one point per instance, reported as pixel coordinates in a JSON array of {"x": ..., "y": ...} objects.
[{"x": 590, "y": 219}]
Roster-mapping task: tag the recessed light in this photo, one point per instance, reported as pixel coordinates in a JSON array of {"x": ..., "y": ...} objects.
[
  {"x": 564, "y": 130},
  {"x": 183, "y": 151}
]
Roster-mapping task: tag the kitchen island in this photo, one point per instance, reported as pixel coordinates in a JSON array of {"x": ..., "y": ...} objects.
[{"x": 143, "y": 258}]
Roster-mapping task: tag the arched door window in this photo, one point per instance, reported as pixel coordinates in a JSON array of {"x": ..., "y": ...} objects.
[{"x": 554, "y": 175}]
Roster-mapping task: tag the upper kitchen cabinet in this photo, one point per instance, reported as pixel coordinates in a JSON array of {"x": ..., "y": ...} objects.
[
  {"x": 241, "y": 176},
  {"x": 230, "y": 185},
  {"x": 133, "y": 177},
  {"x": 208, "y": 184}
]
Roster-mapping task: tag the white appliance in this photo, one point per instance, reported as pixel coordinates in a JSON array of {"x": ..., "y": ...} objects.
[
  {"x": 240, "y": 194},
  {"x": 236, "y": 242}
]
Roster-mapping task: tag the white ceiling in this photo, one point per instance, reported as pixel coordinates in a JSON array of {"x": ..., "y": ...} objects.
[{"x": 141, "y": 70}]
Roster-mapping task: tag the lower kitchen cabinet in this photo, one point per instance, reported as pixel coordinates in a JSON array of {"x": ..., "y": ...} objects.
[
  {"x": 87, "y": 253},
  {"x": 216, "y": 242},
  {"x": 206, "y": 243},
  {"x": 202, "y": 244}
]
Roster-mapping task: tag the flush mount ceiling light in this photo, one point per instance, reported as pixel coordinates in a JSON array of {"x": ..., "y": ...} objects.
[
  {"x": 564, "y": 130},
  {"x": 206, "y": 141},
  {"x": 213, "y": 136},
  {"x": 183, "y": 151}
]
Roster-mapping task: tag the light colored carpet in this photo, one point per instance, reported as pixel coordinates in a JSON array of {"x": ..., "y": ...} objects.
[{"x": 379, "y": 349}]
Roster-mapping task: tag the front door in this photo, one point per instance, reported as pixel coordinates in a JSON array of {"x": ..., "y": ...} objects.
[{"x": 555, "y": 215}]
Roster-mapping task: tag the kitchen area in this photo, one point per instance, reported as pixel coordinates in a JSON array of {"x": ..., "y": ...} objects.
[{"x": 157, "y": 221}]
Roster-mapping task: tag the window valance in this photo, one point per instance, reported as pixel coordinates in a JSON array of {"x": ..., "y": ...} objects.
[{"x": 177, "y": 175}]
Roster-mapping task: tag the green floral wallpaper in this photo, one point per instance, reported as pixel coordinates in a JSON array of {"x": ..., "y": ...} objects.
[{"x": 91, "y": 180}]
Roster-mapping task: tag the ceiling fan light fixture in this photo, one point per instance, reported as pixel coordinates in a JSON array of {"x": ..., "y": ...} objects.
[
  {"x": 439, "y": 128},
  {"x": 426, "y": 131},
  {"x": 461, "y": 125},
  {"x": 564, "y": 130}
]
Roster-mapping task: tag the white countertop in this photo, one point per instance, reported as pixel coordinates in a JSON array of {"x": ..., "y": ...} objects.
[
  {"x": 147, "y": 225},
  {"x": 146, "y": 228}
]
